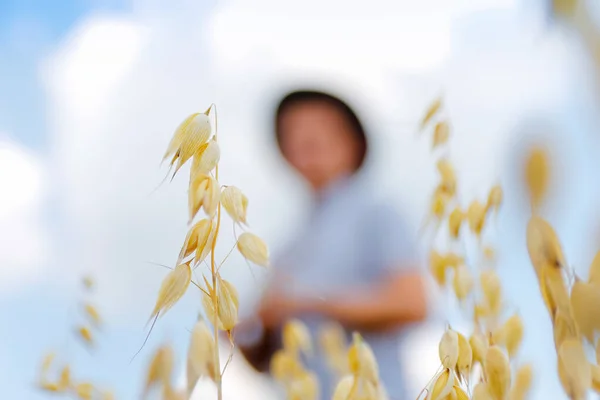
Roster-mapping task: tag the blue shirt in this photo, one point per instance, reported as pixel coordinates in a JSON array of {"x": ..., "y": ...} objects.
[{"x": 351, "y": 239}]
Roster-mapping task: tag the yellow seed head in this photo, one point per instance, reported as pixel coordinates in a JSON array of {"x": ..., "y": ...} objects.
[
  {"x": 522, "y": 385},
  {"x": 64, "y": 381},
  {"x": 448, "y": 349},
  {"x": 84, "y": 390},
  {"x": 476, "y": 217},
  {"x": 199, "y": 240},
  {"x": 492, "y": 290},
  {"x": 235, "y": 203},
  {"x": 443, "y": 385},
  {"x": 85, "y": 333},
  {"x": 462, "y": 282},
  {"x": 228, "y": 304},
  {"x": 93, "y": 314},
  {"x": 284, "y": 366},
  {"x": 455, "y": 221},
  {"x": 296, "y": 337},
  {"x": 332, "y": 341},
  {"x": 465, "y": 356},
  {"x": 362, "y": 361},
  {"x": 253, "y": 249},
  {"x": 441, "y": 133},
  {"x": 481, "y": 392},
  {"x": 537, "y": 174},
  {"x": 200, "y": 357},
  {"x": 497, "y": 372},
  {"x": 585, "y": 303},
  {"x": 574, "y": 369},
  {"x": 189, "y": 137},
  {"x": 543, "y": 245},
  {"x": 479, "y": 346},
  {"x": 594, "y": 275},
  {"x": 206, "y": 158},
  {"x": 173, "y": 287},
  {"x": 495, "y": 198},
  {"x": 564, "y": 328},
  {"x": 432, "y": 110},
  {"x": 446, "y": 171},
  {"x": 204, "y": 192}
]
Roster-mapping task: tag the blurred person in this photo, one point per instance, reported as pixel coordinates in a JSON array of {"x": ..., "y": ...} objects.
[{"x": 354, "y": 262}]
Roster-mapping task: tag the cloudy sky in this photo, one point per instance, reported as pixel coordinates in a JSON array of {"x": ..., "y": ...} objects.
[{"x": 91, "y": 90}]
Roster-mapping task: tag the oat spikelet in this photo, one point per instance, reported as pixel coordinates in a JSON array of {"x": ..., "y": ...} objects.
[
  {"x": 432, "y": 111},
  {"x": 585, "y": 303},
  {"x": 522, "y": 385},
  {"x": 235, "y": 203},
  {"x": 205, "y": 159},
  {"x": 173, "y": 287},
  {"x": 574, "y": 369},
  {"x": 448, "y": 349},
  {"x": 198, "y": 239},
  {"x": 476, "y": 217},
  {"x": 537, "y": 174},
  {"x": 296, "y": 337},
  {"x": 93, "y": 314},
  {"x": 253, "y": 249},
  {"x": 441, "y": 133},
  {"x": 200, "y": 358},
  {"x": 204, "y": 192},
  {"x": 497, "y": 372}
]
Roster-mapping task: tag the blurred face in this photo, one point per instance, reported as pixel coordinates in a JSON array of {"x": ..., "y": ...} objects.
[{"x": 318, "y": 142}]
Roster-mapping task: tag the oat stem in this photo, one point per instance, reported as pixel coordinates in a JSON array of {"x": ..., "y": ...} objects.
[{"x": 214, "y": 272}]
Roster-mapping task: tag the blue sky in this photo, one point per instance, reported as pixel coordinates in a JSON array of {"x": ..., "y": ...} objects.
[{"x": 90, "y": 92}]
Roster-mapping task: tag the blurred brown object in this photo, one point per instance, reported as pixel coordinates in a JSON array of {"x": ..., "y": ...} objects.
[{"x": 259, "y": 354}]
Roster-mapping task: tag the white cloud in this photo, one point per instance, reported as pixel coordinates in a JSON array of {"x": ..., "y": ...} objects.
[{"x": 24, "y": 247}]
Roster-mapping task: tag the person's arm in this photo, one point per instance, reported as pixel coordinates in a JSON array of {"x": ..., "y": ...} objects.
[{"x": 397, "y": 300}]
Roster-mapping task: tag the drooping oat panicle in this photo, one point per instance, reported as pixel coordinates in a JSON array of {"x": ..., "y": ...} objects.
[
  {"x": 448, "y": 349},
  {"x": 253, "y": 249},
  {"x": 537, "y": 174},
  {"x": 235, "y": 203},
  {"x": 93, "y": 314},
  {"x": 203, "y": 193},
  {"x": 574, "y": 369},
  {"x": 205, "y": 159},
  {"x": 173, "y": 287},
  {"x": 200, "y": 358},
  {"x": 522, "y": 385},
  {"x": 441, "y": 133},
  {"x": 198, "y": 239},
  {"x": 431, "y": 112},
  {"x": 296, "y": 337},
  {"x": 497, "y": 372}
]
